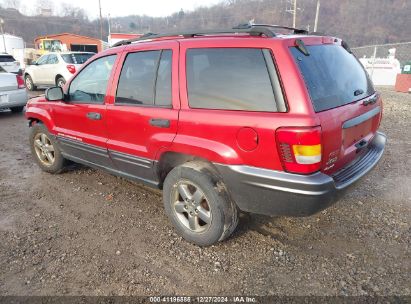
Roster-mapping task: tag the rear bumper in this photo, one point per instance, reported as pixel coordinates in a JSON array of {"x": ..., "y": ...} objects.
[
  {"x": 14, "y": 98},
  {"x": 271, "y": 192}
]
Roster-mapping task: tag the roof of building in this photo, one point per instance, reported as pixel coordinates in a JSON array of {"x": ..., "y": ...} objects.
[{"x": 65, "y": 34}]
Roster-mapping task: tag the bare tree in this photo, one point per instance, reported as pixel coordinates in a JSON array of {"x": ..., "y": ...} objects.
[{"x": 12, "y": 4}]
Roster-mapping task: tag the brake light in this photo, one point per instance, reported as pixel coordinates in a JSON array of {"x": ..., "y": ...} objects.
[
  {"x": 300, "y": 149},
  {"x": 20, "y": 82},
  {"x": 71, "y": 68}
]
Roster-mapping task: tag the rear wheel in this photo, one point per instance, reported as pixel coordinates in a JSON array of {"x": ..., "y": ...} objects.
[
  {"x": 60, "y": 82},
  {"x": 17, "y": 109},
  {"x": 29, "y": 83},
  {"x": 45, "y": 150},
  {"x": 198, "y": 204}
]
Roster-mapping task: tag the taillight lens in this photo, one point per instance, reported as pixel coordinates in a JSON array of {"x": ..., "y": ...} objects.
[
  {"x": 71, "y": 68},
  {"x": 300, "y": 149},
  {"x": 20, "y": 82}
]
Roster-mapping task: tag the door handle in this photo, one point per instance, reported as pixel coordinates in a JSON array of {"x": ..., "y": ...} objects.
[
  {"x": 161, "y": 123},
  {"x": 93, "y": 116}
]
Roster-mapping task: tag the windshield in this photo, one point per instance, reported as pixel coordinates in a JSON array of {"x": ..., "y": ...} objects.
[
  {"x": 7, "y": 58},
  {"x": 76, "y": 58},
  {"x": 333, "y": 76}
]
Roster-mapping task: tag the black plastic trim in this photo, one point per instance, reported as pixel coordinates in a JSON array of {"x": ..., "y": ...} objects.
[
  {"x": 360, "y": 119},
  {"x": 275, "y": 193}
]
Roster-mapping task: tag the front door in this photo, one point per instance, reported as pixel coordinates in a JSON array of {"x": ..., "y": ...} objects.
[
  {"x": 80, "y": 119},
  {"x": 38, "y": 70},
  {"x": 143, "y": 117},
  {"x": 49, "y": 70}
]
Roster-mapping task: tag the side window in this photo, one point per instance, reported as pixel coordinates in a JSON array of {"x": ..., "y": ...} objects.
[
  {"x": 90, "y": 85},
  {"x": 42, "y": 60},
  {"x": 231, "y": 79},
  {"x": 52, "y": 59},
  {"x": 145, "y": 79},
  {"x": 163, "y": 85}
]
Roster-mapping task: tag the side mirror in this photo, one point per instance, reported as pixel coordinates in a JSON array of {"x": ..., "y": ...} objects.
[{"x": 54, "y": 94}]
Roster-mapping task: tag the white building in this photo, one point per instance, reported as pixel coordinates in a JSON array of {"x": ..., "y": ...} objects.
[{"x": 383, "y": 71}]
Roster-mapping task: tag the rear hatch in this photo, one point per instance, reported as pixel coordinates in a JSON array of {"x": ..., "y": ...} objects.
[
  {"x": 344, "y": 99},
  {"x": 8, "y": 81},
  {"x": 9, "y": 63}
]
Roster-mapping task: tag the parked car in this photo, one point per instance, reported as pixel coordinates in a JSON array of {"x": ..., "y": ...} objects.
[
  {"x": 13, "y": 93},
  {"x": 223, "y": 122},
  {"x": 54, "y": 69},
  {"x": 9, "y": 64}
]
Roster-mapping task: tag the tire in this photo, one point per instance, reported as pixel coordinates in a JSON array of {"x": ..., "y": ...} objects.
[
  {"x": 214, "y": 215},
  {"x": 51, "y": 160},
  {"x": 17, "y": 109},
  {"x": 60, "y": 82},
  {"x": 28, "y": 81}
]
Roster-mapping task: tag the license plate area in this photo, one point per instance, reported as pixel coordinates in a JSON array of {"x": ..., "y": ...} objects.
[{"x": 4, "y": 98}]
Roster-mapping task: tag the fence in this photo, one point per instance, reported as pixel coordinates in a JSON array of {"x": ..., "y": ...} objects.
[
  {"x": 403, "y": 51},
  {"x": 381, "y": 63}
]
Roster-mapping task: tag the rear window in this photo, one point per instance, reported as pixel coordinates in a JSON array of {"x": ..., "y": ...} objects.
[
  {"x": 78, "y": 58},
  {"x": 333, "y": 76},
  {"x": 232, "y": 79},
  {"x": 7, "y": 59}
]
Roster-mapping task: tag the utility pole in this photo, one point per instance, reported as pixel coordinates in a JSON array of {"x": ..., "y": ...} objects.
[
  {"x": 101, "y": 20},
  {"x": 295, "y": 13},
  {"x": 316, "y": 16},
  {"x": 2, "y": 33},
  {"x": 109, "y": 24}
]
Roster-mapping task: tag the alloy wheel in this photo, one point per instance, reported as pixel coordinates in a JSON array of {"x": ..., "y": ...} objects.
[
  {"x": 191, "y": 207},
  {"x": 44, "y": 149}
]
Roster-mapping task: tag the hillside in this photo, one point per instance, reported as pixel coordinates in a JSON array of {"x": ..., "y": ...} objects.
[{"x": 360, "y": 22}]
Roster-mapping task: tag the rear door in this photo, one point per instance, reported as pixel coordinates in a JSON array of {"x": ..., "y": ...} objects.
[
  {"x": 143, "y": 117},
  {"x": 80, "y": 120},
  {"x": 343, "y": 98}
]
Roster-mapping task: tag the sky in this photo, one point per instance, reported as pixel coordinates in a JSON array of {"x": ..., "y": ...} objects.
[{"x": 153, "y": 8}]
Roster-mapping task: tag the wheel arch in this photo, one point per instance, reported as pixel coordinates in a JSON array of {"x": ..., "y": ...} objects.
[
  {"x": 57, "y": 77},
  {"x": 40, "y": 116},
  {"x": 168, "y": 160}
]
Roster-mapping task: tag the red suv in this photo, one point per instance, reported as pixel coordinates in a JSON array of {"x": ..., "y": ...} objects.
[{"x": 223, "y": 121}]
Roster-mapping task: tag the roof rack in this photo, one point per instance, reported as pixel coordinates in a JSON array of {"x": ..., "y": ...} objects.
[
  {"x": 253, "y": 31},
  {"x": 274, "y": 26}
]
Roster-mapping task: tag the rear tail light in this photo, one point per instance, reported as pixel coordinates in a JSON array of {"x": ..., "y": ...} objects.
[
  {"x": 300, "y": 149},
  {"x": 71, "y": 68},
  {"x": 20, "y": 82}
]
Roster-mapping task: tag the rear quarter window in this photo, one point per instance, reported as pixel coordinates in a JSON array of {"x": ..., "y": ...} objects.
[
  {"x": 231, "y": 79},
  {"x": 333, "y": 76}
]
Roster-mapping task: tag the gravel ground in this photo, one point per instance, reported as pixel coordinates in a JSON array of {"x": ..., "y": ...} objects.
[{"x": 86, "y": 232}]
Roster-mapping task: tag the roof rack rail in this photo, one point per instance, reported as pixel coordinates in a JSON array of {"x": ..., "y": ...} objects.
[
  {"x": 274, "y": 26},
  {"x": 252, "y": 30}
]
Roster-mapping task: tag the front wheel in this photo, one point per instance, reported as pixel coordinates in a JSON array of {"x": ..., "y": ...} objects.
[
  {"x": 60, "y": 82},
  {"x": 198, "y": 204},
  {"x": 29, "y": 83},
  {"x": 45, "y": 150}
]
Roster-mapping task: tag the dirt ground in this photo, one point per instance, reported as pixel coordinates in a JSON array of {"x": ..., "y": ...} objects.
[{"x": 86, "y": 232}]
